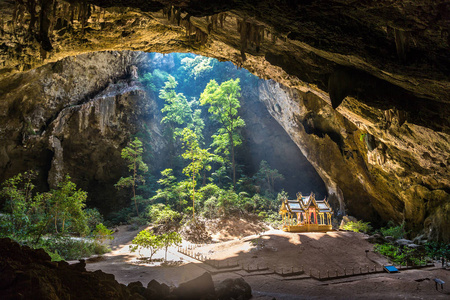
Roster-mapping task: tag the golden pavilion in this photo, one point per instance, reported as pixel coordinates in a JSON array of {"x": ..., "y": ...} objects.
[{"x": 306, "y": 214}]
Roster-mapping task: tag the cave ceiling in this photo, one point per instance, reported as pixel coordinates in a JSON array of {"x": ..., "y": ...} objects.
[
  {"x": 379, "y": 67},
  {"x": 326, "y": 43}
]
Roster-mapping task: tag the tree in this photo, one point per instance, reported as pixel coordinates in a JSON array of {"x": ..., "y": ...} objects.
[
  {"x": 267, "y": 177},
  {"x": 198, "y": 66},
  {"x": 17, "y": 191},
  {"x": 68, "y": 204},
  {"x": 223, "y": 104},
  {"x": 132, "y": 154},
  {"x": 146, "y": 240},
  {"x": 179, "y": 112},
  {"x": 169, "y": 239},
  {"x": 164, "y": 216},
  {"x": 30, "y": 216},
  {"x": 177, "y": 109},
  {"x": 102, "y": 233},
  {"x": 199, "y": 160}
]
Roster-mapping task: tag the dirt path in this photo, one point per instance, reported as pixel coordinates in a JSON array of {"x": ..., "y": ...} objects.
[{"x": 278, "y": 250}]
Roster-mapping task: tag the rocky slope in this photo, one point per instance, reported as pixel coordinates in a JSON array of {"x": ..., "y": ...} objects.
[
  {"x": 30, "y": 274},
  {"x": 383, "y": 64}
]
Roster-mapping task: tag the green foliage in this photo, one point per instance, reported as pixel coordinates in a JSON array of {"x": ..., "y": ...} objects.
[
  {"x": 169, "y": 239},
  {"x": 93, "y": 217},
  {"x": 146, "y": 240},
  {"x": 198, "y": 158},
  {"x": 101, "y": 233},
  {"x": 397, "y": 232},
  {"x": 69, "y": 248},
  {"x": 31, "y": 219},
  {"x": 400, "y": 255},
  {"x": 224, "y": 104},
  {"x": 164, "y": 215},
  {"x": 154, "y": 80},
  {"x": 30, "y": 216},
  {"x": 196, "y": 67},
  {"x": 358, "y": 226},
  {"x": 172, "y": 193},
  {"x": 438, "y": 249},
  {"x": 147, "y": 79},
  {"x": 132, "y": 154},
  {"x": 67, "y": 204},
  {"x": 266, "y": 177}
]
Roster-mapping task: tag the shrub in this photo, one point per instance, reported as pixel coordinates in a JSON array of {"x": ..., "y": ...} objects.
[
  {"x": 101, "y": 233},
  {"x": 93, "y": 217},
  {"x": 70, "y": 248},
  {"x": 168, "y": 239},
  {"x": 397, "y": 232},
  {"x": 438, "y": 250},
  {"x": 146, "y": 240},
  {"x": 400, "y": 255},
  {"x": 358, "y": 226}
]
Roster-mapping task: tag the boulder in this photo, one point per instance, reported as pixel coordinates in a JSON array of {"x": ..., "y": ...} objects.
[
  {"x": 136, "y": 287},
  {"x": 236, "y": 288},
  {"x": 420, "y": 240},
  {"x": 403, "y": 242},
  {"x": 200, "y": 288},
  {"x": 346, "y": 219},
  {"x": 155, "y": 290},
  {"x": 415, "y": 246},
  {"x": 376, "y": 239},
  {"x": 389, "y": 238}
]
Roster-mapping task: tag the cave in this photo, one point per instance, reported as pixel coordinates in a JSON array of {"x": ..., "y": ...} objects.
[{"x": 350, "y": 101}]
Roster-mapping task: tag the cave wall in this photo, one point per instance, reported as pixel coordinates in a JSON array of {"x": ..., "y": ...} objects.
[
  {"x": 383, "y": 64},
  {"x": 74, "y": 117}
]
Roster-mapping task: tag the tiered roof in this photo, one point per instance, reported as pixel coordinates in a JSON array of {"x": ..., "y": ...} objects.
[{"x": 303, "y": 203}]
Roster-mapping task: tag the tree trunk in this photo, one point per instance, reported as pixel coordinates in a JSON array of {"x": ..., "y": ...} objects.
[
  {"x": 56, "y": 225},
  {"x": 134, "y": 188},
  {"x": 233, "y": 164},
  {"x": 193, "y": 195}
]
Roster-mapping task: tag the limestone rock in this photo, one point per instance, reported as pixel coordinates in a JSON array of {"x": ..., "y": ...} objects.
[
  {"x": 199, "y": 288},
  {"x": 236, "y": 288},
  {"x": 376, "y": 239},
  {"x": 403, "y": 242}
]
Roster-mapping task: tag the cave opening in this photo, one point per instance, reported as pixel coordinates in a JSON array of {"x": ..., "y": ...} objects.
[{"x": 356, "y": 110}]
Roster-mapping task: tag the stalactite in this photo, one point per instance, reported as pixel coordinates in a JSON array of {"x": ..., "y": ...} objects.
[
  {"x": 214, "y": 22},
  {"x": 178, "y": 16},
  {"x": 222, "y": 17},
  {"x": 401, "y": 43},
  {"x": 44, "y": 25}
]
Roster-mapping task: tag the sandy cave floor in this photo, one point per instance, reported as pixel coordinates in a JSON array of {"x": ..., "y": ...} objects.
[{"x": 314, "y": 252}]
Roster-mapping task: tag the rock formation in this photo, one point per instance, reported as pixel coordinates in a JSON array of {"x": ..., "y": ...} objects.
[
  {"x": 30, "y": 274},
  {"x": 383, "y": 153}
]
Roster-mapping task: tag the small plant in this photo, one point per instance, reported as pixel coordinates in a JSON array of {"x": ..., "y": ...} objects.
[
  {"x": 101, "y": 233},
  {"x": 438, "y": 250},
  {"x": 170, "y": 239},
  {"x": 146, "y": 240},
  {"x": 397, "y": 232},
  {"x": 400, "y": 255},
  {"x": 358, "y": 226}
]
